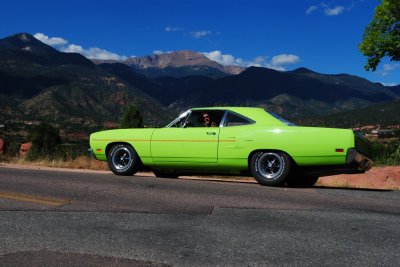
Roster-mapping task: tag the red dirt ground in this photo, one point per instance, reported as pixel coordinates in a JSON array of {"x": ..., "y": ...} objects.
[{"x": 376, "y": 178}]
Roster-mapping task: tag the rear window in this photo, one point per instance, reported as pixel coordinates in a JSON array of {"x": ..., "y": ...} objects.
[
  {"x": 236, "y": 120},
  {"x": 285, "y": 121}
]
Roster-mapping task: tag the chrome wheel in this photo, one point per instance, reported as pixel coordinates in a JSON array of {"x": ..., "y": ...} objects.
[
  {"x": 122, "y": 159},
  {"x": 270, "y": 165},
  {"x": 270, "y": 168}
]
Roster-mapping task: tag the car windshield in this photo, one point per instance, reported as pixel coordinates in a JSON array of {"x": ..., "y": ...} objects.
[
  {"x": 180, "y": 121},
  {"x": 282, "y": 119}
]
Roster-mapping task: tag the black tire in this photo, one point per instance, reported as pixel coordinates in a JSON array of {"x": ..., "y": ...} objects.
[
  {"x": 159, "y": 174},
  {"x": 302, "y": 181},
  {"x": 123, "y": 160},
  {"x": 270, "y": 168}
]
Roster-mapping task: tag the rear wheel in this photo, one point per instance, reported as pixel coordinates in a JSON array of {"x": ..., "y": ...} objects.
[
  {"x": 270, "y": 168},
  {"x": 123, "y": 160}
]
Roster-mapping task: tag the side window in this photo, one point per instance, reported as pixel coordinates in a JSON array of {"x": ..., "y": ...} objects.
[
  {"x": 236, "y": 120},
  {"x": 205, "y": 118}
]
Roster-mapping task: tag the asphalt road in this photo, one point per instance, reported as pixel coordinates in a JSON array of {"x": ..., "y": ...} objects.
[{"x": 51, "y": 218}]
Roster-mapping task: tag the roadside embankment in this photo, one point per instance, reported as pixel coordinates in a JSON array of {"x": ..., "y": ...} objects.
[{"x": 376, "y": 178}]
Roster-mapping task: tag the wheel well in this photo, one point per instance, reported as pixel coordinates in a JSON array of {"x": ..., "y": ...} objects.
[{"x": 269, "y": 150}]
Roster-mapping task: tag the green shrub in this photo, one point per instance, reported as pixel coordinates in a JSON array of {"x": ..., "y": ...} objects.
[
  {"x": 387, "y": 153},
  {"x": 11, "y": 149},
  {"x": 45, "y": 140}
]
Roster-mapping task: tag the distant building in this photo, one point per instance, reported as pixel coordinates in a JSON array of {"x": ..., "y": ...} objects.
[{"x": 382, "y": 133}]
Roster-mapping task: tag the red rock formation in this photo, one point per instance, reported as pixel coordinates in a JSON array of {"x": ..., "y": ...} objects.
[{"x": 24, "y": 149}]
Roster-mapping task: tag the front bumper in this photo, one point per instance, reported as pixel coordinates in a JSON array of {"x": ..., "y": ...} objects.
[
  {"x": 91, "y": 153},
  {"x": 358, "y": 160}
]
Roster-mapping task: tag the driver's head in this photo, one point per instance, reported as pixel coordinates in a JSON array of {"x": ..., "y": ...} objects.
[{"x": 206, "y": 118}]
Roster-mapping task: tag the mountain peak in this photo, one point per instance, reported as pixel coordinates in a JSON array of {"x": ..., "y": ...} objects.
[
  {"x": 186, "y": 53},
  {"x": 172, "y": 59},
  {"x": 23, "y": 41},
  {"x": 25, "y": 37},
  {"x": 24, "y": 47},
  {"x": 180, "y": 59},
  {"x": 302, "y": 70}
]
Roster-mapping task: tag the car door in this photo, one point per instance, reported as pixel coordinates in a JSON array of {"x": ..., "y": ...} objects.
[
  {"x": 236, "y": 138},
  {"x": 185, "y": 143}
]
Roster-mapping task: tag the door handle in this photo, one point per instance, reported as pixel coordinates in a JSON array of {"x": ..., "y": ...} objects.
[{"x": 211, "y": 133}]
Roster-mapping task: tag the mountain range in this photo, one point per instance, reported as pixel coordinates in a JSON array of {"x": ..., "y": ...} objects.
[{"x": 38, "y": 82}]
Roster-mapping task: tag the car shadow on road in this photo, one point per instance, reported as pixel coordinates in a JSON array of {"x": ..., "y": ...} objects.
[{"x": 250, "y": 180}]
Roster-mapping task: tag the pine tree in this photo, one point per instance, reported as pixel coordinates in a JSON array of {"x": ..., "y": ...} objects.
[{"x": 131, "y": 118}]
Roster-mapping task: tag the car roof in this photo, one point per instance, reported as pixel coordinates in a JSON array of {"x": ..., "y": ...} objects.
[{"x": 259, "y": 115}]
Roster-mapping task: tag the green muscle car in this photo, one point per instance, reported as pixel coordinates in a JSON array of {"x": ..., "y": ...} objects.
[{"x": 234, "y": 141}]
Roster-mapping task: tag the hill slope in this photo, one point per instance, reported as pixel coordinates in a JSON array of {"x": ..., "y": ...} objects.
[
  {"x": 292, "y": 94},
  {"x": 41, "y": 83},
  {"x": 387, "y": 113}
]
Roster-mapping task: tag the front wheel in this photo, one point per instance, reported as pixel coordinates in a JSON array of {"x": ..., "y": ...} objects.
[
  {"x": 123, "y": 160},
  {"x": 270, "y": 168}
]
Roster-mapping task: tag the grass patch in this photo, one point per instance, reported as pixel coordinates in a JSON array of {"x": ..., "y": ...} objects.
[{"x": 79, "y": 162}]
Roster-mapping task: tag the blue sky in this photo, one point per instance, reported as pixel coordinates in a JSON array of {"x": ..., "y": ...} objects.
[{"x": 286, "y": 34}]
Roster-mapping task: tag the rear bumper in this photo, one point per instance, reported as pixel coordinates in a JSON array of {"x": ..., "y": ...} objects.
[{"x": 358, "y": 161}]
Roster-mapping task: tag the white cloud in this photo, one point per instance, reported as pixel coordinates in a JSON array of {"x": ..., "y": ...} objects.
[
  {"x": 172, "y": 29},
  {"x": 91, "y": 53},
  {"x": 200, "y": 34},
  {"x": 337, "y": 10},
  {"x": 387, "y": 68},
  {"x": 327, "y": 9},
  {"x": 284, "y": 59},
  {"x": 277, "y": 62},
  {"x": 53, "y": 41},
  {"x": 159, "y": 52},
  {"x": 221, "y": 58},
  {"x": 389, "y": 84},
  {"x": 311, "y": 9},
  {"x": 227, "y": 59},
  {"x": 260, "y": 61}
]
